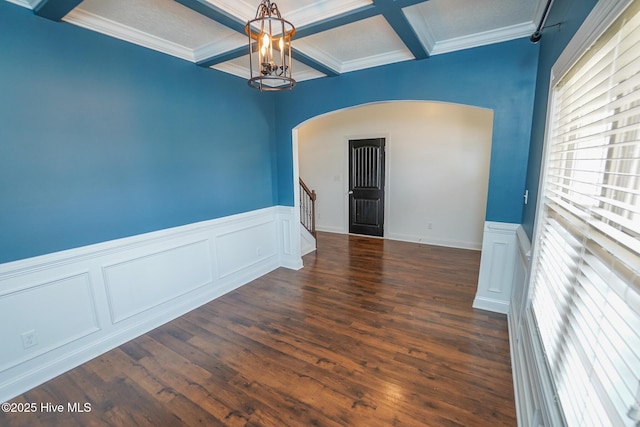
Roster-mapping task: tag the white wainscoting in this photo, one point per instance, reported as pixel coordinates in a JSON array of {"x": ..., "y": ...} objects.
[
  {"x": 497, "y": 267},
  {"x": 519, "y": 288},
  {"x": 503, "y": 287},
  {"x": 533, "y": 389},
  {"x": 62, "y": 309}
]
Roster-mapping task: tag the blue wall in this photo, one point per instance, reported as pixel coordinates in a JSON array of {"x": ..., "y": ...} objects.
[
  {"x": 102, "y": 139},
  {"x": 500, "y": 77},
  {"x": 570, "y": 14}
]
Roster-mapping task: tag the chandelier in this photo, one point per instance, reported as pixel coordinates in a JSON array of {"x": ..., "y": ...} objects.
[{"x": 270, "y": 49}]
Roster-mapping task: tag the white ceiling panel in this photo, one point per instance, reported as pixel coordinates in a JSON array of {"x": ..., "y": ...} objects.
[
  {"x": 458, "y": 18},
  {"x": 298, "y": 12},
  {"x": 302, "y": 13},
  {"x": 333, "y": 36},
  {"x": 362, "y": 44},
  {"x": 162, "y": 25},
  {"x": 447, "y": 25}
]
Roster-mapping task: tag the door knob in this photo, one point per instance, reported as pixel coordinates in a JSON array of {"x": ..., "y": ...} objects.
[{"x": 350, "y": 192}]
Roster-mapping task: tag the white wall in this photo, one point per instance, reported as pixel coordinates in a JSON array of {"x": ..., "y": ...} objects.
[{"x": 437, "y": 173}]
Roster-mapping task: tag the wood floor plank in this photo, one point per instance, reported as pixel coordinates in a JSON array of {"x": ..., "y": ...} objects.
[{"x": 370, "y": 332}]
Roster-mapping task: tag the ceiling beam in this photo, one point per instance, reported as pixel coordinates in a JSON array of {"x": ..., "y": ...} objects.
[
  {"x": 210, "y": 11},
  {"x": 390, "y": 9},
  {"x": 205, "y": 8},
  {"x": 404, "y": 30},
  {"x": 329, "y": 24},
  {"x": 337, "y": 21},
  {"x": 220, "y": 16},
  {"x": 241, "y": 51},
  {"x": 55, "y": 10},
  {"x": 399, "y": 4},
  {"x": 392, "y": 12}
]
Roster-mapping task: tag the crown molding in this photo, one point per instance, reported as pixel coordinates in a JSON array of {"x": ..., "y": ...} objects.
[
  {"x": 425, "y": 34},
  {"x": 319, "y": 55},
  {"x": 232, "y": 68},
  {"x": 242, "y": 10},
  {"x": 484, "y": 38},
  {"x": 334, "y": 63},
  {"x": 376, "y": 60},
  {"x": 307, "y": 75},
  {"x": 309, "y": 14},
  {"x": 218, "y": 47},
  {"x": 29, "y": 4},
  {"x": 420, "y": 24},
  {"x": 114, "y": 29}
]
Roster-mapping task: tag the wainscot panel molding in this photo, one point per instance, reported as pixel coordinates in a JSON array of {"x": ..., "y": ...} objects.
[
  {"x": 519, "y": 288},
  {"x": 497, "y": 267},
  {"x": 143, "y": 282},
  {"x": 503, "y": 287},
  {"x": 60, "y": 310},
  {"x": 289, "y": 237},
  {"x": 535, "y": 395},
  {"x": 533, "y": 389}
]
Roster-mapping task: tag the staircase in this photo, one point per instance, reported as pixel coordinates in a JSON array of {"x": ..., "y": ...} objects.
[{"x": 307, "y": 219}]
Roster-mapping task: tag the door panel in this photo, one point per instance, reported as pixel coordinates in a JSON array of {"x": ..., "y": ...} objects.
[{"x": 366, "y": 186}]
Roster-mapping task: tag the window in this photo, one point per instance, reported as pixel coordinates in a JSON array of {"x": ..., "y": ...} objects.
[{"x": 585, "y": 286}]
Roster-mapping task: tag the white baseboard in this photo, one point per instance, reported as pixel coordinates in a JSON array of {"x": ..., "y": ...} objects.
[
  {"x": 426, "y": 240},
  {"x": 76, "y": 304},
  {"x": 489, "y": 304},
  {"x": 533, "y": 389},
  {"x": 331, "y": 229},
  {"x": 413, "y": 239}
]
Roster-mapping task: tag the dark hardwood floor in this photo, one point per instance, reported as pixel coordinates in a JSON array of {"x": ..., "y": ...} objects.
[{"x": 369, "y": 333}]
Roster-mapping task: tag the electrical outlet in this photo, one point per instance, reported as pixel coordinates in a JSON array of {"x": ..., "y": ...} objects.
[
  {"x": 430, "y": 226},
  {"x": 258, "y": 251},
  {"x": 29, "y": 339}
]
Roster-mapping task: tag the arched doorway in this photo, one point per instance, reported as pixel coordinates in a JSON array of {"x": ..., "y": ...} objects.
[{"x": 438, "y": 159}]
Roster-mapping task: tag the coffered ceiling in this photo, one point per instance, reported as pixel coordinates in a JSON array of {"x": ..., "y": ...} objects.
[{"x": 332, "y": 36}]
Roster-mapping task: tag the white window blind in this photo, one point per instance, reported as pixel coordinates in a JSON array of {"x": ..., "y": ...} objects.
[{"x": 585, "y": 289}]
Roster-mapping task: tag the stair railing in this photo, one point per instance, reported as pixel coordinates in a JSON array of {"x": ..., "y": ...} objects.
[{"x": 308, "y": 208}]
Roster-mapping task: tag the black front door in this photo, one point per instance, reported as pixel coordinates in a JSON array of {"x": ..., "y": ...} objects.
[{"x": 366, "y": 186}]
